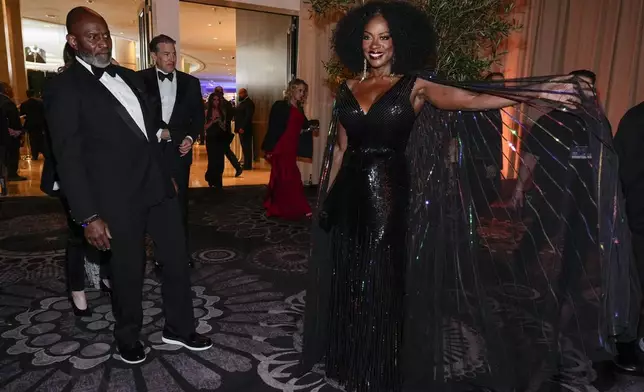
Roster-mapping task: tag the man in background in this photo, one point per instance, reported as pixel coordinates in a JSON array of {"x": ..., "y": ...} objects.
[
  {"x": 178, "y": 107},
  {"x": 629, "y": 144},
  {"x": 229, "y": 113},
  {"x": 34, "y": 112},
  {"x": 11, "y": 140},
  {"x": 244, "y": 126}
]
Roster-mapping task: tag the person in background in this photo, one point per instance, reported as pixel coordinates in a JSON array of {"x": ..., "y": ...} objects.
[
  {"x": 11, "y": 142},
  {"x": 229, "y": 114},
  {"x": 178, "y": 107},
  {"x": 282, "y": 145},
  {"x": 34, "y": 113},
  {"x": 218, "y": 136},
  {"x": 244, "y": 126},
  {"x": 629, "y": 144}
]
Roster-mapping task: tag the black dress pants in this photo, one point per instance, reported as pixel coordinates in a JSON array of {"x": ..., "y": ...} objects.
[
  {"x": 128, "y": 226},
  {"x": 216, "y": 149},
  {"x": 246, "y": 139}
]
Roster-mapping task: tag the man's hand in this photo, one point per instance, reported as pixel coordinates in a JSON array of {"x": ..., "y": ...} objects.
[
  {"x": 165, "y": 134},
  {"x": 240, "y": 131},
  {"x": 518, "y": 198},
  {"x": 14, "y": 133},
  {"x": 98, "y": 235},
  {"x": 176, "y": 187},
  {"x": 186, "y": 146}
]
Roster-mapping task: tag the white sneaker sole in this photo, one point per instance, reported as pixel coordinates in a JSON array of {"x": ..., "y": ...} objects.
[
  {"x": 132, "y": 362},
  {"x": 179, "y": 343}
]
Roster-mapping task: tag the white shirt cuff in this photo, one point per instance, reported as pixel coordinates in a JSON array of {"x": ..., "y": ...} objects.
[
  {"x": 56, "y": 186},
  {"x": 190, "y": 137},
  {"x": 159, "y": 135}
]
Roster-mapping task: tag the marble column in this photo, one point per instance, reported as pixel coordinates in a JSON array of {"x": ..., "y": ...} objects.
[
  {"x": 12, "y": 58},
  {"x": 314, "y": 48},
  {"x": 165, "y": 19}
]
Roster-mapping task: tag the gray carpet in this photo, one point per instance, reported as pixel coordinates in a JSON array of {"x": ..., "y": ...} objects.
[{"x": 249, "y": 298}]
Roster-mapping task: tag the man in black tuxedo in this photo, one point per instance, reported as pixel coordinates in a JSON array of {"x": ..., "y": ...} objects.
[
  {"x": 229, "y": 113},
  {"x": 111, "y": 166},
  {"x": 11, "y": 140},
  {"x": 34, "y": 113},
  {"x": 178, "y": 109},
  {"x": 244, "y": 126}
]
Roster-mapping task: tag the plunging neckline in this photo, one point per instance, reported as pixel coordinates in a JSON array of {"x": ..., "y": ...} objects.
[{"x": 376, "y": 101}]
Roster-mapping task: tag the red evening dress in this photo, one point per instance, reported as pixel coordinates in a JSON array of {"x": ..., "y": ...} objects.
[{"x": 285, "y": 198}]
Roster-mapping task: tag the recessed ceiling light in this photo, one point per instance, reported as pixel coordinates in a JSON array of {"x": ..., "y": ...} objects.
[
  {"x": 209, "y": 24},
  {"x": 121, "y": 33},
  {"x": 227, "y": 65},
  {"x": 219, "y": 48},
  {"x": 51, "y": 16},
  {"x": 47, "y": 25},
  {"x": 224, "y": 58},
  {"x": 214, "y": 38}
]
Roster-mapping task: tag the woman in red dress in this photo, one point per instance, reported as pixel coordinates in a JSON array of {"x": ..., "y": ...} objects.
[{"x": 287, "y": 138}]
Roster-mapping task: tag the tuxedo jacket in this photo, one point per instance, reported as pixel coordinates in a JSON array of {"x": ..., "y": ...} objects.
[
  {"x": 105, "y": 163},
  {"x": 187, "y": 117}
]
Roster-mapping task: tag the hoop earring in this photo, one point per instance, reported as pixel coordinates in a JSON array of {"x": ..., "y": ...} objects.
[{"x": 364, "y": 71}]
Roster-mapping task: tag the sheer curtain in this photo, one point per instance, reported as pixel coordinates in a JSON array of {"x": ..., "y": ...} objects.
[{"x": 558, "y": 36}]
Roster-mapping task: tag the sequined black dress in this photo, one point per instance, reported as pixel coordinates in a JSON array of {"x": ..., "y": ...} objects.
[
  {"x": 368, "y": 243},
  {"x": 410, "y": 292}
]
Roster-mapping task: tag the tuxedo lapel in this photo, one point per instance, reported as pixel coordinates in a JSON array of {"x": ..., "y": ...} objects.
[
  {"x": 181, "y": 90},
  {"x": 148, "y": 116},
  {"x": 151, "y": 79},
  {"x": 102, "y": 91}
]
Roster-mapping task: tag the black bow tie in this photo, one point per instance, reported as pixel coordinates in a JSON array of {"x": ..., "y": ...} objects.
[
  {"x": 163, "y": 76},
  {"x": 110, "y": 69}
]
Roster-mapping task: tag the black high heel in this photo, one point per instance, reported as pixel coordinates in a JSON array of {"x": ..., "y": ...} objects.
[{"x": 79, "y": 312}]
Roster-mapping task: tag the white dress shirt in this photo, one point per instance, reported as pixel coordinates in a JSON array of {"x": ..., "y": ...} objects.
[
  {"x": 168, "y": 92},
  {"x": 123, "y": 93}
]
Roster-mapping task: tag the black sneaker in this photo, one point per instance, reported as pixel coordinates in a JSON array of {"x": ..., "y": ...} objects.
[
  {"x": 238, "y": 172},
  {"x": 194, "y": 342},
  {"x": 133, "y": 354}
]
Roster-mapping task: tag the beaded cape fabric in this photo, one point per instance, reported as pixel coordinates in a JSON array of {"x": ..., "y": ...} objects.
[{"x": 424, "y": 282}]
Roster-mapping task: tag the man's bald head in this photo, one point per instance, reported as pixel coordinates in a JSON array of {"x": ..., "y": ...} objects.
[
  {"x": 89, "y": 36},
  {"x": 243, "y": 93}
]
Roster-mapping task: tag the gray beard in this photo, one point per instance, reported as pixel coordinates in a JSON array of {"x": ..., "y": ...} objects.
[{"x": 97, "y": 61}]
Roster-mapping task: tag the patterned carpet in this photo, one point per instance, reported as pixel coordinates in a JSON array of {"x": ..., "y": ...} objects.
[{"x": 249, "y": 298}]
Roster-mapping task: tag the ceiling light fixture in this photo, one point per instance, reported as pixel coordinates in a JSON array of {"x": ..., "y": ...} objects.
[
  {"x": 51, "y": 16},
  {"x": 215, "y": 38},
  {"x": 219, "y": 48},
  {"x": 209, "y": 24}
]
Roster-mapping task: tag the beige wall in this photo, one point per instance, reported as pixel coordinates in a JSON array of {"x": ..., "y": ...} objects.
[
  {"x": 262, "y": 62},
  {"x": 124, "y": 52}
]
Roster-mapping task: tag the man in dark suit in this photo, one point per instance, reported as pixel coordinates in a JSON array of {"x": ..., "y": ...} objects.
[
  {"x": 34, "y": 113},
  {"x": 111, "y": 166},
  {"x": 628, "y": 142},
  {"x": 178, "y": 109},
  {"x": 229, "y": 112},
  {"x": 244, "y": 126},
  {"x": 11, "y": 140}
]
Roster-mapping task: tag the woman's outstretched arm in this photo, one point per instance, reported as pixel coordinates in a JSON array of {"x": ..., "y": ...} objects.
[{"x": 453, "y": 98}]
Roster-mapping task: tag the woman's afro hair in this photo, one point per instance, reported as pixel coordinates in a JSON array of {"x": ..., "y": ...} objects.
[{"x": 410, "y": 28}]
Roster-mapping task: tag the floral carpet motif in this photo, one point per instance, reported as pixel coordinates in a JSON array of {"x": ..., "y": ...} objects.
[{"x": 249, "y": 299}]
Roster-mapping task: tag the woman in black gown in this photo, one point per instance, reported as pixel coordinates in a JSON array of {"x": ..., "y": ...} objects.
[
  {"x": 217, "y": 138},
  {"x": 397, "y": 300}
]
